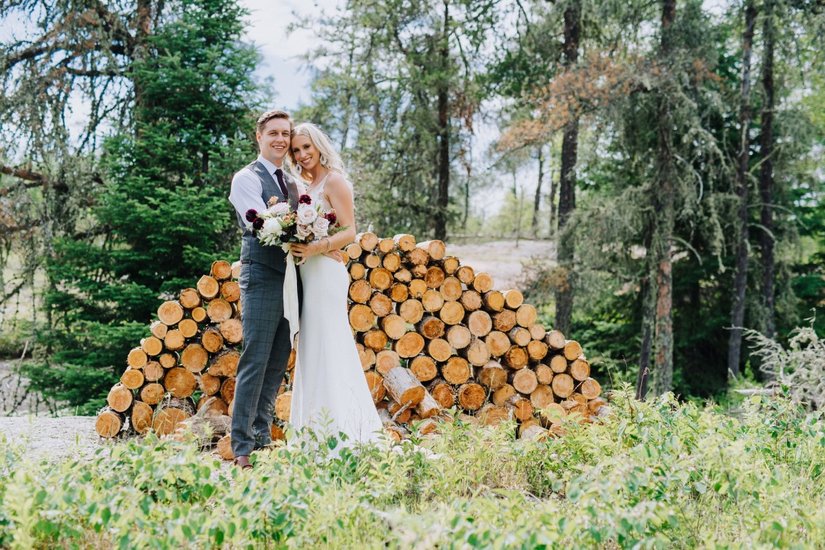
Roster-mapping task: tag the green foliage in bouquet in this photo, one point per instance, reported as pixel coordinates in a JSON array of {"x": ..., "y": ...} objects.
[{"x": 162, "y": 217}]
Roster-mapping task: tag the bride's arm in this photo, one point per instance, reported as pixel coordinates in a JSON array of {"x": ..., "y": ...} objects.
[{"x": 340, "y": 198}]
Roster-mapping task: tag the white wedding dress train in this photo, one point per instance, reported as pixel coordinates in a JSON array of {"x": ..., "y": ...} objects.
[{"x": 329, "y": 392}]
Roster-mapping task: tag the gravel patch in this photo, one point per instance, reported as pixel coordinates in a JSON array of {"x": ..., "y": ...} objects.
[
  {"x": 503, "y": 260},
  {"x": 52, "y": 439}
]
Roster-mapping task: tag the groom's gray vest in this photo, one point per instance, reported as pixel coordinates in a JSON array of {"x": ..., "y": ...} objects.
[{"x": 251, "y": 249}]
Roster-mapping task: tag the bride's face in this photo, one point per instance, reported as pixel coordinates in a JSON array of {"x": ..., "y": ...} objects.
[{"x": 305, "y": 152}]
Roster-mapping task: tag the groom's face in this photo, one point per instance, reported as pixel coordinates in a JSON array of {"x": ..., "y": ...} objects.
[{"x": 274, "y": 140}]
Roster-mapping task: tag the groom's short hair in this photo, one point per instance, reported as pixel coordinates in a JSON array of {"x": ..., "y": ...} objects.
[{"x": 269, "y": 115}]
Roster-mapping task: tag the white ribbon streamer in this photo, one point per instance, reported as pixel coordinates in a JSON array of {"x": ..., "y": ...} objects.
[{"x": 291, "y": 306}]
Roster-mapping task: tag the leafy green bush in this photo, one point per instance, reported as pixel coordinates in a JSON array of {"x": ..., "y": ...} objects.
[{"x": 657, "y": 474}]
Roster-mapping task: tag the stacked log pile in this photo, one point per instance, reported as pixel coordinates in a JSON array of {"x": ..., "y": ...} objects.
[{"x": 432, "y": 335}]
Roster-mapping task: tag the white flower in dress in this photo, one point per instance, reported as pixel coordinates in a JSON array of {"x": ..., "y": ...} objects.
[
  {"x": 270, "y": 232},
  {"x": 306, "y": 214},
  {"x": 279, "y": 209},
  {"x": 320, "y": 227},
  {"x": 303, "y": 231}
]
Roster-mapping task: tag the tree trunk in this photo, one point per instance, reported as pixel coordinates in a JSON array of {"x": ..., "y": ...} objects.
[
  {"x": 766, "y": 241},
  {"x": 537, "y": 198},
  {"x": 567, "y": 179},
  {"x": 648, "y": 319},
  {"x": 740, "y": 281},
  {"x": 444, "y": 133}
]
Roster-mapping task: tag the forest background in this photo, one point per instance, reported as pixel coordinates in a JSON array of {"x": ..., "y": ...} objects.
[{"x": 672, "y": 152}]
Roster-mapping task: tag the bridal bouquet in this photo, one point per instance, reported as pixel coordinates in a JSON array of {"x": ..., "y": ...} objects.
[{"x": 280, "y": 225}]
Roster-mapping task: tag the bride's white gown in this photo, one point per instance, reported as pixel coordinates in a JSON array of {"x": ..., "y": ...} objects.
[{"x": 329, "y": 393}]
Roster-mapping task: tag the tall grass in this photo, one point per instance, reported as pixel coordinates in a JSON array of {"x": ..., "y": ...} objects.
[{"x": 656, "y": 475}]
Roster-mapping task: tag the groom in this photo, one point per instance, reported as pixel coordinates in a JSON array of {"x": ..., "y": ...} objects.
[{"x": 266, "y": 332}]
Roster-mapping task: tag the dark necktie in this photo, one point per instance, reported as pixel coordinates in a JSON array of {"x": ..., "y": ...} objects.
[{"x": 279, "y": 174}]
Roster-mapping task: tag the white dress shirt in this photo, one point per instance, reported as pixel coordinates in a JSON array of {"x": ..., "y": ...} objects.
[{"x": 246, "y": 189}]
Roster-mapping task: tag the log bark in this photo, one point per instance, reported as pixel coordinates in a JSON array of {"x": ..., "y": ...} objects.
[{"x": 404, "y": 387}]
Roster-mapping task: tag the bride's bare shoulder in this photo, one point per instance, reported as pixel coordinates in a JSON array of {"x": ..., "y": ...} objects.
[{"x": 337, "y": 183}]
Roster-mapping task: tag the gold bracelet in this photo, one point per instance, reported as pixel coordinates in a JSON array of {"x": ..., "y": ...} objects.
[{"x": 328, "y": 244}]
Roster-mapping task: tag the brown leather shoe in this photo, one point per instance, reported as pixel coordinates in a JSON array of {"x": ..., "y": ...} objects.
[{"x": 243, "y": 462}]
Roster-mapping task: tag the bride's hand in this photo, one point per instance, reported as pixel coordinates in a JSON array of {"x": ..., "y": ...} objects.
[{"x": 303, "y": 250}]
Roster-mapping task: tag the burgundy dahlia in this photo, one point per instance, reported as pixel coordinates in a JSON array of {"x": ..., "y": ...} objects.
[
  {"x": 251, "y": 214},
  {"x": 258, "y": 223},
  {"x": 304, "y": 199},
  {"x": 331, "y": 217}
]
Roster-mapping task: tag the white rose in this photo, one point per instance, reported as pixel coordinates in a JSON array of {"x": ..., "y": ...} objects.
[
  {"x": 270, "y": 232},
  {"x": 303, "y": 231},
  {"x": 306, "y": 214},
  {"x": 320, "y": 227},
  {"x": 279, "y": 209}
]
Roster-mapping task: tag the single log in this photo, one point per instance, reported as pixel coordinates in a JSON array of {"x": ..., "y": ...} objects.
[
  {"x": 595, "y": 404},
  {"x": 524, "y": 380},
  {"x": 537, "y": 331},
  {"x": 211, "y": 340},
  {"x": 501, "y": 395},
  {"x": 120, "y": 398},
  {"x": 471, "y": 396},
  {"x": 450, "y": 289},
  {"x": 152, "y": 345},
  {"x": 439, "y": 349},
  {"x": 208, "y": 287},
  {"x": 170, "y": 312},
  {"x": 376, "y": 339},
  {"x": 198, "y": 314},
  {"x": 361, "y": 318},
  {"x": 504, "y": 320},
  {"x": 230, "y": 291},
  {"x": 380, "y": 304},
  {"x": 526, "y": 315},
  {"x": 180, "y": 382},
  {"x": 466, "y": 274},
  {"x": 522, "y": 408},
  {"x": 534, "y": 433},
  {"x": 228, "y": 390},
  {"x": 392, "y": 262},
  {"x": 479, "y": 323},
  {"x": 187, "y": 327},
  {"x": 572, "y": 350},
  {"x": 450, "y": 265},
  {"x": 417, "y": 288},
  {"x": 432, "y": 301},
  {"x": 443, "y": 393},
  {"x": 513, "y": 298},
  {"x": 477, "y": 352},
  {"x": 409, "y": 345},
  {"x": 225, "y": 364},
  {"x": 404, "y": 387},
  {"x": 417, "y": 257},
  {"x": 471, "y": 300},
  {"x": 544, "y": 374},
  {"x": 520, "y": 336},
  {"x": 368, "y": 240},
  {"x": 224, "y": 448},
  {"x": 434, "y": 277},
  {"x": 152, "y": 393},
  {"x": 498, "y": 343},
  {"x": 372, "y": 261},
  {"x": 153, "y": 371},
  {"x": 428, "y": 407},
  {"x": 424, "y": 368},
  {"x": 141, "y": 417},
  {"x": 404, "y": 242},
  {"x": 493, "y": 415},
  {"x": 132, "y": 378},
  {"x": 558, "y": 364},
  {"x": 492, "y": 375},
  {"x": 174, "y": 340},
  {"x": 431, "y": 327},
  {"x": 386, "y": 360},
  {"x": 221, "y": 270},
  {"x": 459, "y": 336},
  {"x": 232, "y": 331},
  {"x": 394, "y": 326},
  {"x": 563, "y": 385},
  {"x": 537, "y": 350},
  {"x": 386, "y": 246},
  {"x": 456, "y": 370},
  {"x": 236, "y": 269},
  {"x": 553, "y": 413},
  {"x": 219, "y": 310},
  {"x": 400, "y": 413},
  {"x": 357, "y": 271},
  {"x": 167, "y": 419},
  {"x": 194, "y": 358},
  {"x": 555, "y": 339},
  {"x": 399, "y": 292},
  {"x": 360, "y": 291},
  {"x": 283, "y": 406},
  {"x": 516, "y": 358},
  {"x": 541, "y": 397},
  {"x": 580, "y": 369},
  {"x": 451, "y": 313},
  {"x": 375, "y": 382},
  {"x": 493, "y": 300},
  {"x": 403, "y": 275},
  {"x": 411, "y": 311},
  {"x": 435, "y": 249},
  {"x": 482, "y": 283},
  {"x": 380, "y": 278},
  {"x": 208, "y": 384},
  {"x": 353, "y": 251},
  {"x": 276, "y": 433},
  {"x": 109, "y": 423},
  {"x": 590, "y": 389},
  {"x": 137, "y": 358},
  {"x": 366, "y": 355},
  {"x": 158, "y": 329}
]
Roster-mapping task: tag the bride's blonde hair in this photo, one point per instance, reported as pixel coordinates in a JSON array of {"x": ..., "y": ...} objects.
[{"x": 330, "y": 158}]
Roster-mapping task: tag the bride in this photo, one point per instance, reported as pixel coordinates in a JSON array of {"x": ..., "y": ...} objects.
[{"x": 329, "y": 394}]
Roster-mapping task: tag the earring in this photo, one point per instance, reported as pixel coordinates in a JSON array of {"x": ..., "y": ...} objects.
[
  {"x": 323, "y": 160},
  {"x": 298, "y": 168}
]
